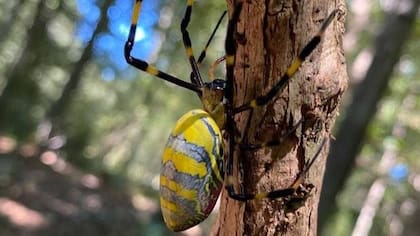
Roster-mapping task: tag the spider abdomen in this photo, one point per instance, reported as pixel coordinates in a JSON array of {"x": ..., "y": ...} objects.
[{"x": 191, "y": 179}]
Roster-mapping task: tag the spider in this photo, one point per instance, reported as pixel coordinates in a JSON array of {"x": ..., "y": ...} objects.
[{"x": 193, "y": 172}]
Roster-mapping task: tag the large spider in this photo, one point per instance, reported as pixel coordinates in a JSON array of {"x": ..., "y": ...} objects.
[{"x": 193, "y": 173}]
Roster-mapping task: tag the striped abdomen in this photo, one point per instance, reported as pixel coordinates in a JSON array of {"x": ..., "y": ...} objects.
[{"x": 191, "y": 179}]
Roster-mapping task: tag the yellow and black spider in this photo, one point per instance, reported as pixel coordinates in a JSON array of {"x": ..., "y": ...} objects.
[{"x": 193, "y": 162}]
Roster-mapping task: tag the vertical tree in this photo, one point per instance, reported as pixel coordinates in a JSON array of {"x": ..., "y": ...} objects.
[
  {"x": 388, "y": 47},
  {"x": 21, "y": 93},
  {"x": 270, "y": 34},
  {"x": 58, "y": 108}
]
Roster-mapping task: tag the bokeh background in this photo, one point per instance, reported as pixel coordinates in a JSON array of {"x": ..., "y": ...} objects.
[{"x": 81, "y": 132}]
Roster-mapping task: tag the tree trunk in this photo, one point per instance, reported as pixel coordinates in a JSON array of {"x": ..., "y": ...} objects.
[
  {"x": 21, "y": 94},
  {"x": 274, "y": 32},
  {"x": 57, "y": 109}
]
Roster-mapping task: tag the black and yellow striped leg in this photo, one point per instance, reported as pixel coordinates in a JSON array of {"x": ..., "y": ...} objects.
[
  {"x": 143, "y": 65},
  {"x": 196, "y": 79},
  {"x": 279, "y": 86},
  {"x": 289, "y": 192},
  {"x": 230, "y": 47},
  {"x": 294, "y": 192},
  {"x": 203, "y": 52}
]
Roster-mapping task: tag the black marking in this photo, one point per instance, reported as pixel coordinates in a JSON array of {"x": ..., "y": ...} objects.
[
  {"x": 217, "y": 84},
  {"x": 203, "y": 53},
  {"x": 230, "y": 49},
  {"x": 309, "y": 47},
  {"x": 280, "y": 193},
  {"x": 196, "y": 79},
  {"x": 306, "y": 51},
  {"x": 142, "y": 65}
]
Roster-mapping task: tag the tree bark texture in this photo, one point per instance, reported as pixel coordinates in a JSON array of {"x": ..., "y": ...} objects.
[{"x": 270, "y": 35}]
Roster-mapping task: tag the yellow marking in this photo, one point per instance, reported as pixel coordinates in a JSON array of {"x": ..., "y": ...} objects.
[
  {"x": 174, "y": 213},
  {"x": 136, "y": 12},
  {"x": 190, "y": 2},
  {"x": 170, "y": 206},
  {"x": 184, "y": 163},
  {"x": 215, "y": 168},
  {"x": 230, "y": 60},
  {"x": 294, "y": 67},
  {"x": 253, "y": 104},
  {"x": 189, "y": 51},
  {"x": 193, "y": 126},
  {"x": 196, "y": 132},
  {"x": 152, "y": 70},
  {"x": 297, "y": 183},
  {"x": 260, "y": 196},
  {"x": 178, "y": 189},
  {"x": 199, "y": 135},
  {"x": 171, "y": 213}
]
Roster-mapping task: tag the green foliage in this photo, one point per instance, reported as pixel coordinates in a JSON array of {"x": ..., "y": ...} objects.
[
  {"x": 115, "y": 129},
  {"x": 395, "y": 126}
]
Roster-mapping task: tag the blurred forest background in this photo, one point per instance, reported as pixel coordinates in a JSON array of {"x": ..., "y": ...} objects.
[{"x": 81, "y": 133}]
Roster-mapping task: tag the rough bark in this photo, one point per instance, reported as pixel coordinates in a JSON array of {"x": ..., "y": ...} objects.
[
  {"x": 274, "y": 33},
  {"x": 362, "y": 109}
]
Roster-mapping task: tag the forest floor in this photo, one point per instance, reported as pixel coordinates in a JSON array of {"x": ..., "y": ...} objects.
[{"x": 44, "y": 195}]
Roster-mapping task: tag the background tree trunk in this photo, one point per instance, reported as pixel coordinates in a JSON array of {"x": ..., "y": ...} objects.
[
  {"x": 274, "y": 33},
  {"x": 60, "y": 106},
  {"x": 388, "y": 48},
  {"x": 21, "y": 93}
]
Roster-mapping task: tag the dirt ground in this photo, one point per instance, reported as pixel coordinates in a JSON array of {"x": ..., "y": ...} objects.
[{"x": 45, "y": 196}]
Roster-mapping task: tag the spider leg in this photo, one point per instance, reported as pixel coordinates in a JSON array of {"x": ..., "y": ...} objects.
[
  {"x": 214, "y": 66},
  {"x": 196, "y": 79},
  {"x": 286, "y": 192},
  {"x": 271, "y": 143},
  {"x": 203, "y": 52},
  {"x": 279, "y": 86},
  {"x": 143, "y": 65},
  {"x": 280, "y": 193},
  {"x": 297, "y": 62},
  {"x": 230, "y": 48}
]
